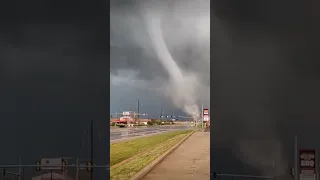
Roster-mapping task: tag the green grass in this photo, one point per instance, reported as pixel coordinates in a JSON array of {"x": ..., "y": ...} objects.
[
  {"x": 124, "y": 150},
  {"x": 129, "y": 169}
]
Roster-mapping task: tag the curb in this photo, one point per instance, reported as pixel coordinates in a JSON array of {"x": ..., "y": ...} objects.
[{"x": 150, "y": 166}]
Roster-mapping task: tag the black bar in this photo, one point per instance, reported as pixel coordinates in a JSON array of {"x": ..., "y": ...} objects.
[{"x": 91, "y": 146}]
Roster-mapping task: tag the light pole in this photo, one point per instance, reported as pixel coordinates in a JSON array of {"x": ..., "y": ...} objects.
[
  {"x": 20, "y": 168},
  {"x": 79, "y": 166}
]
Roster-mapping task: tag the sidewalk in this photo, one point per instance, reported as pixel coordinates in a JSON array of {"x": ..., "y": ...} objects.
[{"x": 190, "y": 161}]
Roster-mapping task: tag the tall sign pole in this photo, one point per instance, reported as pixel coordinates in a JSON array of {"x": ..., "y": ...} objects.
[
  {"x": 202, "y": 116},
  {"x": 205, "y": 114}
]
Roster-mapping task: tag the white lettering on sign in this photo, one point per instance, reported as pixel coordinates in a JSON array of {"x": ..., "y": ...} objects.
[
  {"x": 307, "y": 156},
  {"x": 307, "y": 163}
]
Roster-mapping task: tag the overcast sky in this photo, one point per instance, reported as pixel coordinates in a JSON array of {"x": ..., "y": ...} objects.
[
  {"x": 265, "y": 69},
  {"x": 136, "y": 72},
  {"x": 265, "y": 72},
  {"x": 53, "y": 59}
]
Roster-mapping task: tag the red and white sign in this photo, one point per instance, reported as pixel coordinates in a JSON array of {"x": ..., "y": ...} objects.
[
  {"x": 125, "y": 119},
  {"x": 205, "y": 111},
  {"x": 206, "y": 115},
  {"x": 307, "y": 164}
]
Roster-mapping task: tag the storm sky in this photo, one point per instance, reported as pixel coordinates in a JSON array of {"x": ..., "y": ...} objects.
[
  {"x": 264, "y": 82},
  {"x": 135, "y": 71},
  {"x": 54, "y": 59},
  {"x": 264, "y": 75}
]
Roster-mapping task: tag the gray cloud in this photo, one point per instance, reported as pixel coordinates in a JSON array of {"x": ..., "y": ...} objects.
[{"x": 132, "y": 49}]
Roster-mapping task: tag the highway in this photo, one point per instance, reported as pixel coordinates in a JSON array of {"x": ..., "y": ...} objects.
[{"x": 118, "y": 134}]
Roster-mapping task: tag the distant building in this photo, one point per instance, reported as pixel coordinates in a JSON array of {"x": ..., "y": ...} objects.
[{"x": 144, "y": 121}]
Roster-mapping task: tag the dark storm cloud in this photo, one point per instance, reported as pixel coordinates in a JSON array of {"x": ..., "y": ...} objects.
[
  {"x": 267, "y": 82},
  {"x": 133, "y": 57},
  {"x": 54, "y": 79},
  {"x": 131, "y": 47},
  {"x": 126, "y": 36}
]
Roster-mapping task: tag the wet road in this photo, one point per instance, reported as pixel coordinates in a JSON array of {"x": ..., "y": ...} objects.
[{"x": 126, "y": 133}]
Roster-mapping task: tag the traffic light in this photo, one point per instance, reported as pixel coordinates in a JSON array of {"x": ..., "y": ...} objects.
[
  {"x": 64, "y": 165},
  {"x": 214, "y": 175},
  {"x": 89, "y": 168},
  {"x": 38, "y": 168}
]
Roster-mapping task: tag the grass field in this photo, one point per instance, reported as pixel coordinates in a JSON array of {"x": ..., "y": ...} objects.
[
  {"x": 150, "y": 148},
  {"x": 124, "y": 150}
]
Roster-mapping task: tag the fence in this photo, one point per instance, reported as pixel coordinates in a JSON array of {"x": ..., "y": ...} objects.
[{"x": 74, "y": 171}]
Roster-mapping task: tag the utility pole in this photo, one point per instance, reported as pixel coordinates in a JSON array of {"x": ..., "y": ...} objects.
[
  {"x": 296, "y": 158},
  {"x": 77, "y": 172},
  {"x": 91, "y": 150},
  {"x": 138, "y": 109},
  {"x": 20, "y": 168}
]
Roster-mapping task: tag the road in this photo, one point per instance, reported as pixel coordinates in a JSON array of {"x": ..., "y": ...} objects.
[{"x": 126, "y": 133}]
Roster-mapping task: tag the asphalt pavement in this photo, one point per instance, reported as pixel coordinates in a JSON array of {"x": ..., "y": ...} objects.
[{"x": 118, "y": 134}]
